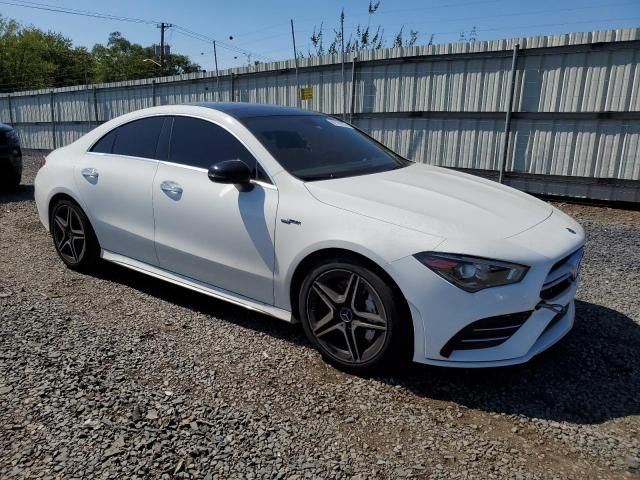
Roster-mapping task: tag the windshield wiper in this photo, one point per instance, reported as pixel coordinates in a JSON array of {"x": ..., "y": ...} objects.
[{"x": 312, "y": 178}]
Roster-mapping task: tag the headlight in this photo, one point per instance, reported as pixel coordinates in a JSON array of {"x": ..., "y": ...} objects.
[{"x": 472, "y": 273}]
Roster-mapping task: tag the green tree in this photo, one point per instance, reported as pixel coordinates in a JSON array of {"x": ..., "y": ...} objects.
[
  {"x": 365, "y": 37},
  {"x": 122, "y": 60},
  {"x": 31, "y": 58}
]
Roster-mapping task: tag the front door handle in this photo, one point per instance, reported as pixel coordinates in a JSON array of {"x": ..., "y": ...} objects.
[
  {"x": 90, "y": 173},
  {"x": 171, "y": 188}
]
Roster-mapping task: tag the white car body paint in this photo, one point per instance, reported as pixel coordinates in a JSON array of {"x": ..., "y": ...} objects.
[{"x": 244, "y": 247}]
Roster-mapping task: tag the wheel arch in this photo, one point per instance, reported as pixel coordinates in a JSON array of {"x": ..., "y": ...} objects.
[
  {"x": 318, "y": 256},
  {"x": 67, "y": 195},
  {"x": 61, "y": 195}
]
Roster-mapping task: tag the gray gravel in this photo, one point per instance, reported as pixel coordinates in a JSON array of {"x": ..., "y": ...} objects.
[{"x": 116, "y": 375}]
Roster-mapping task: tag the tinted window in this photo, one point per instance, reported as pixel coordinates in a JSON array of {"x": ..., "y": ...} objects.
[
  {"x": 199, "y": 143},
  {"x": 317, "y": 147},
  {"x": 162, "y": 150},
  {"x": 138, "y": 138},
  {"x": 105, "y": 144}
]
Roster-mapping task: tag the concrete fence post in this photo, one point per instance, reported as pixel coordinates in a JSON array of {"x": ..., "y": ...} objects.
[
  {"x": 10, "y": 109},
  {"x": 233, "y": 93},
  {"x": 507, "y": 120},
  {"x": 53, "y": 121},
  {"x": 95, "y": 106},
  {"x": 352, "y": 103}
]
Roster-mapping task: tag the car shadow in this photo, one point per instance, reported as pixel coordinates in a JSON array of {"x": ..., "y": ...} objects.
[
  {"x": 22, "y": 193},
  {"x": 591, "y": 376},
  {"x": 200, "y": 303}
]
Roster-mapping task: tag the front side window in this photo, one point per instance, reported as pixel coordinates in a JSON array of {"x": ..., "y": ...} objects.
[
  {"x": 199, "y": 143},
  {"x": 318, "y": 147},
  {"x": 138, "y": 138}
]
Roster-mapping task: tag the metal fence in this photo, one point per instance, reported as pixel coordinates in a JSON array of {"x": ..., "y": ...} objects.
[{"x": 575, "y": 114}]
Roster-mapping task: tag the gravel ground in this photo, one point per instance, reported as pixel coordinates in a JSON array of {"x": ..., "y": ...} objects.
[{"x": 117, "y": 375}]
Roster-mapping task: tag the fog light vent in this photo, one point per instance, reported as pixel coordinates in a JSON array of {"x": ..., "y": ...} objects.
[{"x": 485, "y": 333}]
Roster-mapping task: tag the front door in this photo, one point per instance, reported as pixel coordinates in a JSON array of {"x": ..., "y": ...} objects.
[{"x": 211, "y": 232}]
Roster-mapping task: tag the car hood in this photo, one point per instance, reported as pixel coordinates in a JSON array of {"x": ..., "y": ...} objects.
[{"x": 436, "y": 201}]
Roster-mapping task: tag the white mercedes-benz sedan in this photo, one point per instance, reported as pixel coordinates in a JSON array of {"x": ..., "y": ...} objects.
[{"x": 303, "y": 217}]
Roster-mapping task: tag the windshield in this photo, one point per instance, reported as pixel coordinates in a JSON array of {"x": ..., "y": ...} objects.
[{"x": 318, "y": 147}]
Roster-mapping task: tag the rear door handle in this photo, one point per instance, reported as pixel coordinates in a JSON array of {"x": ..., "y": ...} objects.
[
  {"x": 90, "y": 173},
  {"x": 171, "y": 187}
]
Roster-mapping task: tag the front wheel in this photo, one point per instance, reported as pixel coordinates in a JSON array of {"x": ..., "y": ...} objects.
[
  {"x": 354, "y": 317},
  {"x": 73, "y": 236}
]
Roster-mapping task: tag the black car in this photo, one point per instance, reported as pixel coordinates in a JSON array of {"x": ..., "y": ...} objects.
[{"x": 10, "y": 158}]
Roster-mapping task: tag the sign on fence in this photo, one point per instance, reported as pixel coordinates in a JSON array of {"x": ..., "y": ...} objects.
[{"x": 306, "y": 93}]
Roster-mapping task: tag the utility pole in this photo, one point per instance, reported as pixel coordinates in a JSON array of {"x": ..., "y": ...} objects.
[
  {"x": 163, "y": 26},
  {"x": 295, "y": 57},
  {"x": 215, "y": 61}
]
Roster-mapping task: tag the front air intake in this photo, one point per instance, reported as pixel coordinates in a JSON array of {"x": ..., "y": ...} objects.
[{"x": 486, "y": 333}]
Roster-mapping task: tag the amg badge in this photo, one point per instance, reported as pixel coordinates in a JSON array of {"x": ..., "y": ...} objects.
[{"x": 290, "y": 221}]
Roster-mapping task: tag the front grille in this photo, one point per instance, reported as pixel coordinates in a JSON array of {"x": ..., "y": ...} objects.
[
  {"x": 561, "y": 262},
  {"x": 555, "y": 289},
  {"x": 486, "y": 333},
  {"x": 562, "y": 275}
]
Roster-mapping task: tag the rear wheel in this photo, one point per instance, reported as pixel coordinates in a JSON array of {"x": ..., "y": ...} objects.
[
  {"x": 353, "y": 317},
  {"x": 73, "y": 237}
]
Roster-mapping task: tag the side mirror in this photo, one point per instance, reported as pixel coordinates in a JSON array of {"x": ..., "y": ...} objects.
[{"x": 234, "y": 172}]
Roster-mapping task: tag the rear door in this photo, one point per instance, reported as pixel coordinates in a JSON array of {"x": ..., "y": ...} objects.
[{"x": 115, "y": 181}]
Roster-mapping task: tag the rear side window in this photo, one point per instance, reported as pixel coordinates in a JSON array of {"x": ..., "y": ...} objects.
[
  {"x": 105, "y": 144},
  {"x": 199, "y": 143},
  {"x": 138, "y": 138}
]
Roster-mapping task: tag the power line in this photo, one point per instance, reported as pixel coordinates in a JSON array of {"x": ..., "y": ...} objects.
[
  {"x": 75, "y": 11},
  {"x": 106, "y": 16},
  {"x": 451, "y": 19},
  {"x": 210, "y": 40}
]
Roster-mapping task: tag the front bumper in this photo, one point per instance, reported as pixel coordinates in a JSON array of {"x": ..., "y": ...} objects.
[{"x": 441, "y": 310}]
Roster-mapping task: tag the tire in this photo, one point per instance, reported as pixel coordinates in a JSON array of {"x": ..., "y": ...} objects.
[
  {"x": 73, "y": 237},
  {"x": 354, "y": 317}
]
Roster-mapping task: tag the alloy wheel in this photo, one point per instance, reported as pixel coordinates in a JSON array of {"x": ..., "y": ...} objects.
[
  {"x": 69, "y": 234},
  {"x": 347, "y": 316}
]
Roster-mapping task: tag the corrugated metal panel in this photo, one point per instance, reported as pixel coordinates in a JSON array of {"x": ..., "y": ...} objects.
[
  {"x": 4, "y": 109},
  {"x": 600, "y": 149},
  {"x": 593, "y": 148},
  {"x": 115, "y": 102},
  {"x": 459, "y": 143},
  {"x": 35, "y": 136},
  {"x": 73, "y": 106},
  {"x": 605, "y": 80},
  {"x": 452, "y": 79},
  {"x": 31, "y": 109}
]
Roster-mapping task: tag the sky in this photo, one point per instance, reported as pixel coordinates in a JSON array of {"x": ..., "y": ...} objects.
[{"x": 262, "y": 28}]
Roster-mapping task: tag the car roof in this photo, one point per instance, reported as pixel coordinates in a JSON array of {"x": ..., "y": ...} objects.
[
  {"x": 242, "y": 110},
  {"x": 5, "y": 128}
]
